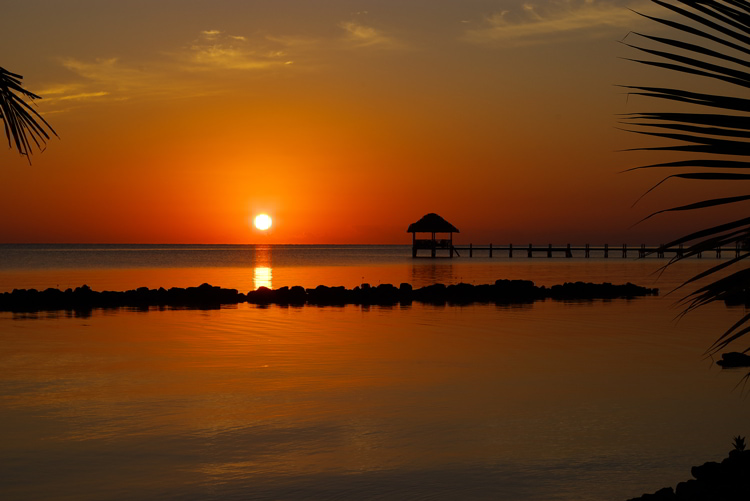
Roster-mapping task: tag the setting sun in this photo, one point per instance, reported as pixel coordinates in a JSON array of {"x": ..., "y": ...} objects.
[{"x": 263, "y": 221}]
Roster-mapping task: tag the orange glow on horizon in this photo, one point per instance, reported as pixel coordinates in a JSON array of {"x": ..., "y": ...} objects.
[{"x": 348, "y": 145}]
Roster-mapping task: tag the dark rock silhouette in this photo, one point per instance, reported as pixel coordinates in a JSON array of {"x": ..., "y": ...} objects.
[
  {"x": 208, "y": 296},
  {"x": 83, "y": 298},
  {"x": 725, "y": 481}
]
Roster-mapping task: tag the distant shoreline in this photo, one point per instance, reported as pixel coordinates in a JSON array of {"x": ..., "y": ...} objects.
[{"x": 207, "y": 296}]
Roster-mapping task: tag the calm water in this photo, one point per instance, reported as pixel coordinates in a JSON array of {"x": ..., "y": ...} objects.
[{"x": 569, "y": 401}]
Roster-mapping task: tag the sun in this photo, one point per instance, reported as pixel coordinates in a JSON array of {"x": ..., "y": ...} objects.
[{"x": 263, "y": 222}]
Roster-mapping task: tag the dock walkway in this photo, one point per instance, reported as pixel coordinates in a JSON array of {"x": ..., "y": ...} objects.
[{"x": 588, "y": 250}]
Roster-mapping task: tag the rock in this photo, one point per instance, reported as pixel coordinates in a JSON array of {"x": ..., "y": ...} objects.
[
  {"x": 725, "y": 481},
  {"x": 690, "y": 490},
  {"x": 665, "y": 494},
  {"x": 709, "y": 472},
  {"x": 208, "y": 296}
]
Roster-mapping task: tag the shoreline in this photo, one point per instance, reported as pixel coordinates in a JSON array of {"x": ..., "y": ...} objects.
[
  {"x": 727, "y": 480},
  {"x": 207, "y": 296}
]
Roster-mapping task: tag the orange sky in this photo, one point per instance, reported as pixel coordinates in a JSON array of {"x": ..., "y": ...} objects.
[{"x": 343, "y": 120}]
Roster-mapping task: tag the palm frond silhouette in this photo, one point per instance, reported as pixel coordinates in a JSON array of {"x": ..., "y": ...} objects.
[
  {"x": 24, "y": 127},
  {"x": 709, "y": 42}
]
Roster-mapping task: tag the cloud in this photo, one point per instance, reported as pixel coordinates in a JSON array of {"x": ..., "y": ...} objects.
[
  {"x": 108, "y": 72},
  {"x": 534, "y": 24},
  {"x": 83, "y": 95},
  {"x": 366, "y": 36},
  {"x": 110, "y": 79},
  {"x": 69, "y": 92},
  {"x": 210, "y": 33},
  {"x": 58, "y": 89},
  {"x": 188, "y": 72},
  {"x": 216, "y": 56},
  {"x": 97, "y": 79},
  {"x": 233, "y": 52}
]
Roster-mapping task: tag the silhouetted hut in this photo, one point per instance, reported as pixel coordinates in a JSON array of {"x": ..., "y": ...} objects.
[{"x": 433, "y": 224}]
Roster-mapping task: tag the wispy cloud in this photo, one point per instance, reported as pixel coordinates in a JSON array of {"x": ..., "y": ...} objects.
[
  {"x": 69, "y": 92},
  {"x": 100, "y": 79},
  {"x": 109, "y": 73},
  {"x": 217, "y": 50},
  {"x": 169, "y": 74},
  {"x": 57, "y": 90},
  {"x": 196, "y": 67},
  {"x": 83, "y": 95},
  {"x": 109, "y": 78},
  {"x": 360, "y": 35},
  {"x": 210, "y": 33},
  {"x": 546, "y": 22}
]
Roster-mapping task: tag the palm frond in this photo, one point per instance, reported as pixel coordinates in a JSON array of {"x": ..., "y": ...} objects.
[
  {"x": 704, "y": 176},
  {"x": 707, "y": 119},
  {"x": 710, "y": 42},
  {"x": 696, "y": 129},
  {"x": 716, "y": 101},
  {"x": 697, "y": 144},
  {"x": 703, "y": 163},
  {"x": 703, "y": 204},
  {"x": 23, "y": 124}
]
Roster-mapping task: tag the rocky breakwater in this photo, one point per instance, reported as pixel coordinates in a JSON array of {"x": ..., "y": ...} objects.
[
  {"x": 501, "y": 292},
  {"x": 84, "y": 299},
  {"x": 208, "y": 296}
]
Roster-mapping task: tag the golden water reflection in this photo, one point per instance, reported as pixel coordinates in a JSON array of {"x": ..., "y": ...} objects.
[
  {"x": 433, "y": 273},
  {"x": 263, "y": 271},
  {"x": 444, "y": 403},
  {"x": 262, "y": 277},
  {"x": 343, "y": 402}
]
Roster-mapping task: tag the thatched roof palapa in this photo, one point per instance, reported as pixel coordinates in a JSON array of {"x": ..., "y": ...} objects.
[{"x": 432, "y": 223}]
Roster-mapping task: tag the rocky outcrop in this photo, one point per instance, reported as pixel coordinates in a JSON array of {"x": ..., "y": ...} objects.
[
  {"x": 83, "y": 298},
  {"x": 501, "y": 292},
  {"x": 712, "y": 481},
  {"x": 207, "y": 296}
]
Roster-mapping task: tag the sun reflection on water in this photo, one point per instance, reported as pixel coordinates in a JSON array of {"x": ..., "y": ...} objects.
[
  {"x": 262, "y": 277},
  {"x": 262, "y": 273}
]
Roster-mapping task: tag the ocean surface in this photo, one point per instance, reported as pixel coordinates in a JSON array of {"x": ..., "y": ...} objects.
[{"x": 588, "y": 400}]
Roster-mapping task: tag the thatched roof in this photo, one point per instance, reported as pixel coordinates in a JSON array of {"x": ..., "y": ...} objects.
[{"x": 432, "y": 223}]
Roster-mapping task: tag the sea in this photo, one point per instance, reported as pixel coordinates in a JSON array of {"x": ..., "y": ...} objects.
[{"x": 554, "y": 400}]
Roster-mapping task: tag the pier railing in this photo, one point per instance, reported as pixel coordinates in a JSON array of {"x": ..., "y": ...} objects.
[{"x": 588, "y": 250}]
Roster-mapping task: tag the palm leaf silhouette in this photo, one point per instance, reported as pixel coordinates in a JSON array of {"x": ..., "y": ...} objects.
[
  {"x": 710, "y": 41},
  {"x": 23, "y": 125}
]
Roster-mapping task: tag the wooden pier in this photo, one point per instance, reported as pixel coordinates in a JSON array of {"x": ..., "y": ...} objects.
[{"x": 588, "y": 250}]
